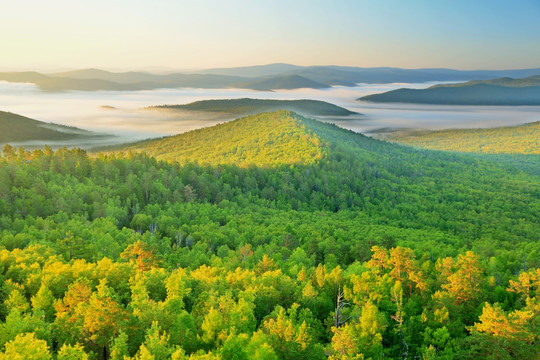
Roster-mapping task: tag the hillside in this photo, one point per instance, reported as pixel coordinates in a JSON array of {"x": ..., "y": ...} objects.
[
  {"x": 522, "y": 139},
  {"x": 247, "y": 106},
  {"x": 16, "y": 128},
  {"x": 503, "y": 91},
  {"x": 264, "y": 140},
  {"x": 243, "y": 241}
]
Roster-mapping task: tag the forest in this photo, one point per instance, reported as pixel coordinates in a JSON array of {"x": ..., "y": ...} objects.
[
  {"x": 521, "y": 139},
  {"x": 354, "y": 248}
]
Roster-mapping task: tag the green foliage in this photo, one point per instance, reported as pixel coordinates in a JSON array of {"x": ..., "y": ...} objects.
[
  {"x": 26, "y": 347},
  {"x": 111, "y": 257},
  {"x": 72, "y": 352},
  {"x": 264, "y": 140},
  {"x": 523, "y": 139}
]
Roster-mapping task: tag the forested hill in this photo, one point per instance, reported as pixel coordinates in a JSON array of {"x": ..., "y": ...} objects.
[
  {"x": 502, "y": 91},
  {"x": 123, "y": 256},
  {"x": 248, "y": 106},
  {"x": 17, "y": 128},
  {"x": 520, "y": 139},
  {"x": 264, "y": 139}
]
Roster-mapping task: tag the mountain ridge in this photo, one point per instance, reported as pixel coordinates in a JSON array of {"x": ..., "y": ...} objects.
[
  {"x": 248, "y": 77},
  {"x": 500, "y": 91}
]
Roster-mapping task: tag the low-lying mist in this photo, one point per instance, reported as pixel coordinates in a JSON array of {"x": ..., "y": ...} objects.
[{"x": 122, "y": 113}]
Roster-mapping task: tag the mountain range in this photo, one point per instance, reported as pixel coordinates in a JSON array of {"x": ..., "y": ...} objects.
[{"x": 263, "y": 77}]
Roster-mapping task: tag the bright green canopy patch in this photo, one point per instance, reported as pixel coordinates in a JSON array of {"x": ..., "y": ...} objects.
[{"x": 266, "y": 139}]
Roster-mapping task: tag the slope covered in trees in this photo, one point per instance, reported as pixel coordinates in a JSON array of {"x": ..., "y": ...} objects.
[
  {"x": 263, "y": 139},
  {"x": 15, "y": 128},
  {"x": 247, "y": 106},
  {"x": 522, "y": 139},
  {"x": 503, "y": 91},
  {"x": 374, "y": 250}
]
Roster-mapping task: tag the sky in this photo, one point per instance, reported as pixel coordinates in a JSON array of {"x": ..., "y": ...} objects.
[{"x": 198, "y": 34}]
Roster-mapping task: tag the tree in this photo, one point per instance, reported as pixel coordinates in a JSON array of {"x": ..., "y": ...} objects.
[
  {"x": 140, "y": 254},
  {"x": 44, "y": 301},
  {"x": 397, "y": 297},
  {"x": 463, "y": 278},
  {"x": 155, "y": 345},
  {"x": 119, "y": 348},
  {"x": 72, "y": 352},
  {"x": 516, "y": 325},
  {"x": 371, "y": 325},
  {"x": 290, "y": 339},
  {"x": 93, "y": 319},
  {"x": 345, "y": 344},
  {"x": 26, "y": 347}
]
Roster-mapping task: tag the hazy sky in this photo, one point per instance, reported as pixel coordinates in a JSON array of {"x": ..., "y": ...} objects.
[{"x": 186, "y": 34}]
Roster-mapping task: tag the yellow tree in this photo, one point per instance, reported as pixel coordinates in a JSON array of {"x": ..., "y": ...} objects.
[
  {"x": 405, "y": 268},
  {"x": 513, "y": 326},
  {"x": 93, "y": 319},
  {"x": 463, "y": 282},
  {"x": 103, "y": 317},
  {"x": 140, "y": 254},
  {"x": 26, "y": 347},
  {"x": 528, "y": 283},
  {"x": 345, "y": 344},
  {"x": 379, "y": 259},
  {"x": 289, "y": 340}
]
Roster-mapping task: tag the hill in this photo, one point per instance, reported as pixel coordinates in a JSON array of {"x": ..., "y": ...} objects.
[
  {"x": 522, "y": 139},
  {"x": 17, "y": 128},
  {"x": 247, "y": 106},
  {"x": 503, "y": 91},
  {"x": 265, "y": 139}
]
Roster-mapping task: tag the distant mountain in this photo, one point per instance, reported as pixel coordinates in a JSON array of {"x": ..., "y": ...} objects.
[
  {"x": 17, "y": 128},
  {"x": 263, "y": 77},
  {"x": 502, "y": 91},
  {"x": 504, "y": 81},
  {"x": 283, "y": 82},
  {"x": 254, "y": 71},
  {"x": 350, "y": 75},
  {"x": 248, "y": 106}
]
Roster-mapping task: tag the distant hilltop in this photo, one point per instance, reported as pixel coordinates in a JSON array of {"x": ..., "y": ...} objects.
[
  {"x": 263, "y": 77},
  {"x": 247, "y": 106},
  {"x": 501, "y": 91}
]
